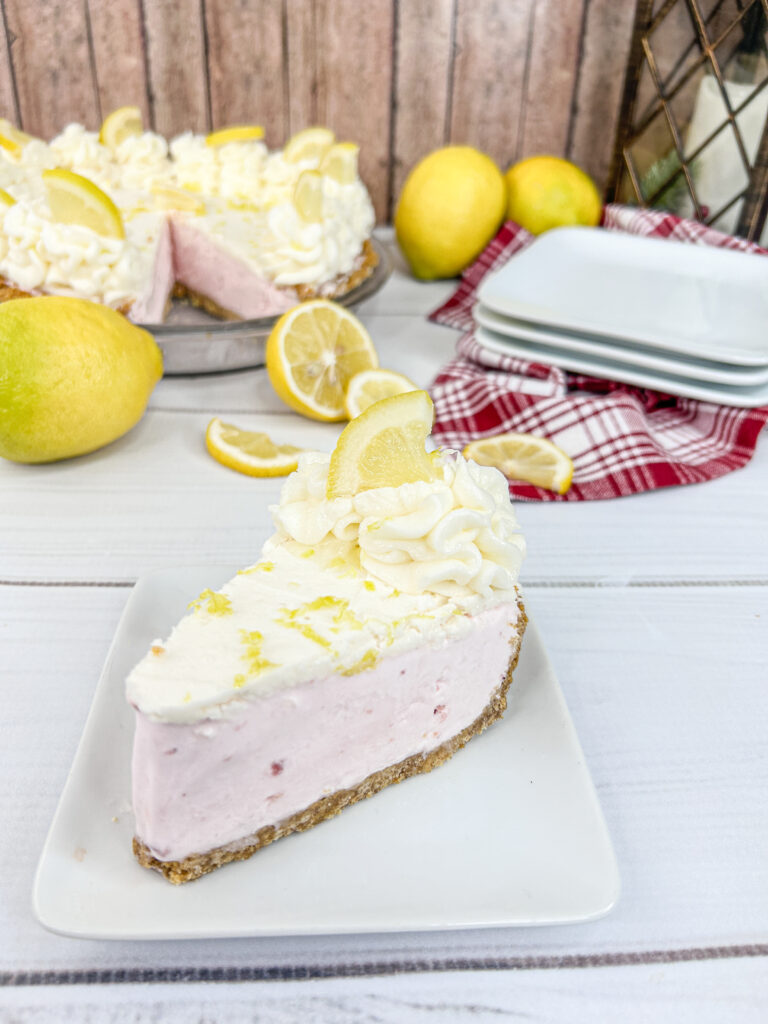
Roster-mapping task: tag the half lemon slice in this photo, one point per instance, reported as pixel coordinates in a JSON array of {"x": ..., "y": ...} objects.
[
  {"x": 6, "y": 199},
  {"x": 383, "y": 446},
  {"x": 309, "y": 144},
  {"x": 249, "y": 451},
  {"x": 340, "y": 162},
  {"x": 372, "y": 386},
  {"x": 121, "y": 124},
  {"x": 74, "y": 199},
  {"x": 534, "y": 460},
  {"x": 11, "y": 146},
  {"x": 313, "y": 352},
  {"x": 235, "y": 133},
  {"x": 169, "y": 198},
  {"x": 308, "y": 196},
  {"x": 10, "y": 131}
]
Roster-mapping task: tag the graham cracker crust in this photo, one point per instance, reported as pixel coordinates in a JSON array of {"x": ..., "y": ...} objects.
[
  {"x": 197, "y": 865},
  {"x": 334, "y": 289}
]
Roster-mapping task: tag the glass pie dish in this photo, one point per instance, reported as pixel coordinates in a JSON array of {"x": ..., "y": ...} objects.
[{"x": 192, "y": 341}]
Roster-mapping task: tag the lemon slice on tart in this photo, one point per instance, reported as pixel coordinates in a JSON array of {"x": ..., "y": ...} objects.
[
  {"x": 6, "y": 199},
  {"x": 340, "y": 162},
  {"x": 120, "y": 125},
  {"x": 10, "y": 131},
  {"x": 534, "y": 460},
  {"x": 249, "y": 451},
  {"x": 308, "y": 196},
  {"x": 312, "y": 353},
  {"x": 235, "y": 133},
  {"x": 74, "y": 199},
  {"x": 384, "y": 446},
  {"x": 11, "y": 146},
  {"x": 167, "y": 197},
  {"x": 309, "y": 144},
  {"x": 372, "y": 386}
]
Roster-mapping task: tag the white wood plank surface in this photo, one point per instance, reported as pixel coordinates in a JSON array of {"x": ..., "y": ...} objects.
[{"x": 672, "y": 726}]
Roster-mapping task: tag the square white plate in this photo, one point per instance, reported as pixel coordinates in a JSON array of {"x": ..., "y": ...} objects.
[
  {"x": 609, "y": 369},
  {"x": 509, "y": 832},
  {"x": 627, "y": 353},
  {"x": 694, "y": 299}
]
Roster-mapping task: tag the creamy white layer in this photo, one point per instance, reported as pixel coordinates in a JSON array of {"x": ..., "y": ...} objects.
[{"x": 214, "y": 783}]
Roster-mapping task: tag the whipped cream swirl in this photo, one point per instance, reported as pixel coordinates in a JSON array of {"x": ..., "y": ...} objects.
[{"x": 456, "y": 536}]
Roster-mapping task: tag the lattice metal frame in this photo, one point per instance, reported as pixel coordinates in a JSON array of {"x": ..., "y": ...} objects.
[{"x": 755, "y": 195}]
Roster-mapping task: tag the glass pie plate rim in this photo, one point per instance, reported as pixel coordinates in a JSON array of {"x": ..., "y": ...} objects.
[{"x": 209, "y": 345}]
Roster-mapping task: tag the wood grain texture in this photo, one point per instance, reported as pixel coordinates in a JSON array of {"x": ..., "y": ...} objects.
[
  {"x": 303, "y": 63},
  {"x": 246, "y": 65},
  {"x": 176, "y": 60},
  {"x": 354, "y": 90},
  {"x": 489, "y": 73},
  {"x": 606, "y": 42},
  {"x": 8, "y": 106},
  {"x": 553, "y": 63},
  {"x": 118, "y": 50},
  {"x": 52, "y": 62},
  {"x": 423, "y": 71}
]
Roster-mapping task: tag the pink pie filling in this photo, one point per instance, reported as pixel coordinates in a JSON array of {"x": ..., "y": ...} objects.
[
  {"x": 205, "y": 268},
  {"x": 216, "y": 782}
]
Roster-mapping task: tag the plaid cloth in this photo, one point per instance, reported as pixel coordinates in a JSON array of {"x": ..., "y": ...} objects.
[{"x": 622, "y": 439}]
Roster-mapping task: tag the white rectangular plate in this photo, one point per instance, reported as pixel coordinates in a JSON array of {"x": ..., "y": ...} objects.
[
  {"x": 609, "y": 369},
  {"x": 509, "y": 832},
  {"x": 627, "y": 353},
  {"x": 692, "y": 299}
]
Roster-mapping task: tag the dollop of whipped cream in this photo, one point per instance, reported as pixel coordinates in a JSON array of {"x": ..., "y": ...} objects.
[
  {"x": 67, "y": 259},
  {"x": 295, "y": 251},
  {"x": 456, "y": 536},
  {"x": 231, "y": 171}
]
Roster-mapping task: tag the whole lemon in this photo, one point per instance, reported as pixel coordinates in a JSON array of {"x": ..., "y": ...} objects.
[
  {"x": 451, "y": 206},
  {"x": 73, "y": 377},
  {"x": 549, "y": 192}
]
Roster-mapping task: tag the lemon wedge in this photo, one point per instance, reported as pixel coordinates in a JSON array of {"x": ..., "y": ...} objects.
[
  {"x": 313, "y": 351},
  {"x": 6, "y": 199},
  {"x": 525, "y": 457},
  {"x": 120, "y": 125},
  {"x": 248, "y": 451},
  {"x": 74, "y": 199},
  {"x": 373, "y": 386},
  {"x": 308, "y": 195},
  {"x": 11, "y": 147},
  {"x": 340, "y": 162},
  {"x": 236, "y": 133},
  {"x": 309, "y": 144},
  {"x": 169, "y": 198},
  {"x": 383, "y": 446}
]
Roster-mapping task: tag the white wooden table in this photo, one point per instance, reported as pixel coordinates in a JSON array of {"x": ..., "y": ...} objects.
[{"x": 654, "y": 610}]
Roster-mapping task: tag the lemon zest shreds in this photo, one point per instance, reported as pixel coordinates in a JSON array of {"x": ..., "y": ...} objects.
[
  {"x": 218, "y": 604},
  {"x": 253, "y": 642}
]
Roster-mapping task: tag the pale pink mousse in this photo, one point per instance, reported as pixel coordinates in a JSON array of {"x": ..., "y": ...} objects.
[
  {"x": 234, "y": 286},
  {"x": 150, "y": 308},
  {"x": 214, "y": 783}
]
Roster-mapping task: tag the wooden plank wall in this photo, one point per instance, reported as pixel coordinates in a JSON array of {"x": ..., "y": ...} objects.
[{"x": 401, "y": 77}]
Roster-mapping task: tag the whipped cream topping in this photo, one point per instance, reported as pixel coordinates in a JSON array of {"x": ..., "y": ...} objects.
[
  {"x": 38, "y": 254},
  {"x": 341, "y": 583},
  {"x": 79, "y": 150},
  {"x": 232, "y": 171},
  {"x": 456, "y": 536}
]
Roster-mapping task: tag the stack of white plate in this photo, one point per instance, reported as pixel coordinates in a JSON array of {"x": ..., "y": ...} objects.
[{"x": 687, "y": 319}]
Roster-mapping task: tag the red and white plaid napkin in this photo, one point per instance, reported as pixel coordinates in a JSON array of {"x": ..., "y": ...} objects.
[{"x": 622, "y": 439}]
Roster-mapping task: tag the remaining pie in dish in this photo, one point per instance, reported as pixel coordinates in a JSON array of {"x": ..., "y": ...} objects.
[
  {"x": 242, "y": 231},
  {"x": 374, "y": 637}
]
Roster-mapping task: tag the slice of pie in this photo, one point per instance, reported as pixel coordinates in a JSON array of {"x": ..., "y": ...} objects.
[{"x": 375, "y": 636}]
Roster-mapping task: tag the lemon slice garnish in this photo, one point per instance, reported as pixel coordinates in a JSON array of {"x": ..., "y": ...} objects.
[
  {"x": 169, "y": 198},
  {"x": 236, "y": 133},
  {"x": 11, "y": 147},
  {"x": 10, "y": 131},
  {"x": 6, "y": 199},
  {"x": 74, "y": 199},
  {"x": 313, "y": 351},
  {"x": 534, "y": 460},
  {"x": 121, "y": 124},
  {"x": 248, "y": 451},
  {"x": 309, "y": 144},
  {"x": 340, "y": 162},
  {"x": 308, "y": 195},
  {"x": 383, "y": 446},
  {"x": 373, "y": 386}
]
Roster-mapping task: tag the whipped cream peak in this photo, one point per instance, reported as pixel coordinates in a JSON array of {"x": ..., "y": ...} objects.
[{"x": 456, "y": 536}]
